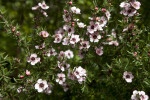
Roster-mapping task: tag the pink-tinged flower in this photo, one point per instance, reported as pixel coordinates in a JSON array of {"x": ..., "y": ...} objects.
[
  {"x": 60, "y": 31},
  {"x": 33, "y": 59},
  {"x": 81, "y": 25},
  {"x": 92, "y": 28},
  {"x": 95, "y": 37},
  {"x": 41, "y": 85},
  {"x": 99, "y": 51},
  {"x": 58, "y": 38},
  {"x": 80, "y": 74},
  {"x": 65, "y": 41},
  {"x": 43, "y": 5},
  {"x": 143, "y": 96},
  {"x": 60, "y": 78},
  {"x": 21, "y": 89},
  {"x": 75, "y": 10},
  {"x": 27, "y": 72},
  {"x": 51, "y": 52},
  {"x": 125, "y": 29},
  {"x": 67, "y": 18},
  {"x": 99, "y": 26},
  {"x": 128, "y": 76},
  {"x": 113, "y": 43},
  {"x": 124, "y": 5},
  {"x": 113, "y": 33},
  {"x": 66, "y": 86},
  {"x": 69, "y": 54},
  {"x": 44, "y": 34},
  {"x": 131, "y": 12},
  {"x": 63, "y": 66},
  {"x": 45, "y": 14},
  {"x": 139, "y": 95},
  {"x": 48, "y": 89},
  {"x": 61, "y": 55},
  {"x": 40, "y": 46},
  {"x": 135, "y": 4},
  {"x": 84, "y": 45},
  {"x": 74, "y": 39},
  {"x": 71, "y": 75},
  {"x": 81, "y": 54},
  {"x": 68, "y": 29},
  {"x": 35, "y": 7},
  {"x": 103, "y": 21},
  {"x": 128, "y": 12},
  {"x": 108, "y": 14}
]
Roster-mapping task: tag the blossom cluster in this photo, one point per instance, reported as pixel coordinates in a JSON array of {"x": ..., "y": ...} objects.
[
  {"x": 76, "y": 39},
  {"x": 130, "y": 8},
  {"x": 139, "y": 95}
]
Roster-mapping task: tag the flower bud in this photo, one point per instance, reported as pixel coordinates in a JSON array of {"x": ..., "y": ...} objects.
[
  {"x": 96, "y": 8},
  {"x": 70, "y": 3},
  {"x": 103, "y": 9},
  {"x": 27, "y": 72},
  {"x": 21, "y": 76}
]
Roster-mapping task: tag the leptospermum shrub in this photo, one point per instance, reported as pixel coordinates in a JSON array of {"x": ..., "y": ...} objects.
[{"x": 97, "y": 58}]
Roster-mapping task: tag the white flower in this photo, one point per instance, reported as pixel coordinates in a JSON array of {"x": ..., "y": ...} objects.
[
  {"x": 65, "y": 41},
  {"x": 81, "y": 25},
  {"x": 44, "y": 34},
  {"x": 66, "y": 86},
  {"x": 33, "y": 59},
  {"x": 84, "y": 45},
  {"x": 63, "y": 66},
  {"x": 67, "y": 18},
  {"x": 131, "y": 12},
  {"x": 69, "y": 29},
  {"x": 80, "y": 74},
  {"x": 139, "y": 95},
  {"x": 95, "y": 37},
  {"x": 124, "y": 5},
  {"x": 113, "y": 43},
  {"x": 92, "y": 28},
  {"x": 69, "y": 54},
  {"x": 107, "y": 14},
  {"x": 35, "y": 7},
  {"x": 41, "y": 85},
  {"x": 75, "y": 10},
  {"x": 20, "y": 89},
  {"x": 103, "y": 21},
  {"x": 40, "y": 46},
  {"x": 99, "y": 51},
  {"x": 128, "y": 76},
  {"x": 61, "y": 54},
  {"x": 74, "y": 39},
  {"x": 61, "y": 78},
  {"x": 43, "y": 5},
  {"x": 48, "y": 89},
  {"x": 51, "y": 52},
  {"x": 58, "y": 38},
  {"x": 128, "y": 12},
  {"x": 135, "y": 4},
  {"x": 60, "y": 31},
  {"x": 45, "y": 14}
]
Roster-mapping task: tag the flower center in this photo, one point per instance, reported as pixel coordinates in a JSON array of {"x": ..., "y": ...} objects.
[
  {"x": 128, "y": 76},
  {"x": 84, "y": 45},
  {"x": 92, "y": 27},
  {"x": 41, "y": 85},
  {"x": 33, "y": 58},
  {"x": 61, "y": 78},
  {"x": 95, "y": 36}
]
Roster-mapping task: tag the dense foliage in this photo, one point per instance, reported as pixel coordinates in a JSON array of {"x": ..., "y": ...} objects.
[{"x": 74, "y": 50}]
